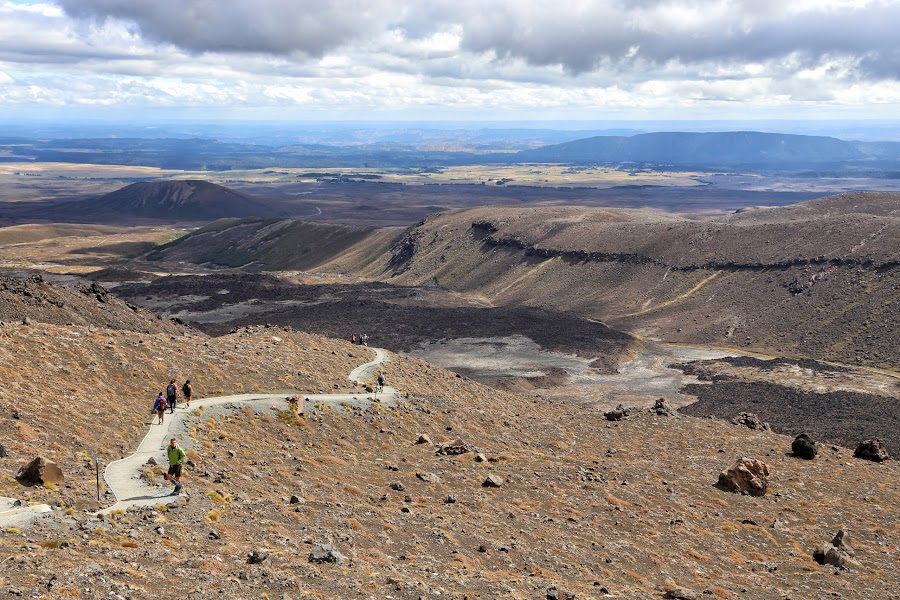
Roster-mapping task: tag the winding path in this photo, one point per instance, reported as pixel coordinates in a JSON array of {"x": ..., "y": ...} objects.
[{"x": 123, "y": 477}]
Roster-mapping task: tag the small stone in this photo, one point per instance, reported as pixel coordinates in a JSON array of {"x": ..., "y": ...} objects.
[
  {"x": 397, "y": 486},
  {"x": 680, "y": 593},
  {"x": 214, "y": 535},
  {"x": 325, "y": 553},
  {"x": 451, "y": 499},
  {"x": 492, "y": 481},
  {"x": 751, "y": 421},
  {"x": 294, "y": 500},
  {"x": 256, "y": 557},
  {"x": 424, "y": 439},
  {"x": 804, "y": 447},
  {"x": 428, "y": 477},
  {"x": 479, "y": 457}
]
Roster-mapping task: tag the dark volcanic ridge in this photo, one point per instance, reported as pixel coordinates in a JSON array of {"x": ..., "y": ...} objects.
[
  {"x": 35, "y": 300},
  {"x": 778, "y": 281},
  {"x": 187, "y": 200}
]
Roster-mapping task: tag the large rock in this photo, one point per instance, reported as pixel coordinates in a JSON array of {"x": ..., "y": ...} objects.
[
  {"x": 804, "y": 446},
  {"x": 872, "y": 450},
  {"x": 748, "y": 476},
  {"x": 751, "y": 421},
  {"x": 38, "y": 472},
  {"x": 839, "y": 553}
]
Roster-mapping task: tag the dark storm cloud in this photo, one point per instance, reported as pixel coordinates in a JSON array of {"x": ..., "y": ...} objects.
[
  {"x": 578, "y": 35},
  {"x": 266, "y": 26}
]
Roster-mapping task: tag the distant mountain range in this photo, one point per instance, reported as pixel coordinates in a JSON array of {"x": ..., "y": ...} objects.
[
  {"x": 746, "y": 149},
  {"x": 771, "y": 152}
]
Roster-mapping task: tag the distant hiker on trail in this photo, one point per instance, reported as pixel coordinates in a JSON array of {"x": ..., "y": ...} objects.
[
  {"x": 176, "y": 458},
  {"x": 353, "y": 339},
  {"x": 159, "y": 407},
  {"x": 381, "y": 381},
  {"x": 187, "y": 391},
  {"x": 171, "y": 396},
  {"x": 364, "y": 340}
]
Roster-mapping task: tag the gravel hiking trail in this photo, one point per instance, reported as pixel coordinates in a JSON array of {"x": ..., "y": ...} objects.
[{"x": 123, "y": 477}]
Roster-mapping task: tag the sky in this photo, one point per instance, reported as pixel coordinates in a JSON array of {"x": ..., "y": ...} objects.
[{"x": 450, "y": 59}]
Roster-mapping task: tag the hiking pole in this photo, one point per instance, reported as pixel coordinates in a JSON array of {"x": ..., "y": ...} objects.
[{"x": 97, "y": 469}]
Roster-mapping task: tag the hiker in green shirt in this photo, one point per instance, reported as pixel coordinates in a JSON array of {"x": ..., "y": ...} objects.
[{"x": 176, "y": 458}]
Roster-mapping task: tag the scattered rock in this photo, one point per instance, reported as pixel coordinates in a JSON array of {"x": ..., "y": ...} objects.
[
  {"x": 151, "y": 462},
  {"x": 748, "y": 476},
  {"x": 681, "y": 593},
  {"x": 397, "y": 486},
  {"x": 424, "y": 439},
  {"x": 454, "y": 448},
  {"x": 662, "y": 408},
  {"x": 479, "y": 457},
  {"x": 428, "y": 477},
  {"x": 618, "y": 413},
  {"x": 804, "y": 446},
  {"x": 838, "y": 553},
  {"x": 326, "y": 553},
  {"x": 492, "y": 481},
  {"x": 294, "y": 500},
  {"x": 3, "y": 453},
  {"x": 451, "y": 499},
  {"x": 256, "y": 557},
  {"x": 38, "y": 472},
  {"x": 751, "y": 421},
  {"x": 214, "y": 535},
  {"x": 558, "y": 594},
  {"x": 872, "y": 450}
]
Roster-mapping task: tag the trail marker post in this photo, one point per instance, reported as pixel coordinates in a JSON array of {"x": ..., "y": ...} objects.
[{"x": 97, "y": 470}]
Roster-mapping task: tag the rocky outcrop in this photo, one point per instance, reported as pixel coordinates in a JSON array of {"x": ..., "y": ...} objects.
[
  {"x": 748, "y": 476},
  {"x": 872, "y": 450},
  {"x": 805, "y": 447}
]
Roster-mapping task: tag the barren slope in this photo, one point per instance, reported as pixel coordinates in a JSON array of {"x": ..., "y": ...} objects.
[{"x": 621, "y": 510}]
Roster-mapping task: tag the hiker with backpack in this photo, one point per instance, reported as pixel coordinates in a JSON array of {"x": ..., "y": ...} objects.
[
  {"x": 176, "y": 458},
  {"x": 381, "y": 381},
  {"x": 171, "y": 396},
  {"x": 187, "y": 391},
  {"x": 159, "y": 407}
]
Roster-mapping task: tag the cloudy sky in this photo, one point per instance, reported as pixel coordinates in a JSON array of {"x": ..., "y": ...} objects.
[{"x": 451, "y": 59}]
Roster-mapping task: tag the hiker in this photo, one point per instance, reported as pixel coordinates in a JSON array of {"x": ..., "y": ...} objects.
[
  {"x": 353, "y": 338},
  {"x": 364, "y": 340},
  {"x": 176, "y": 458},
  {"x": 171, "y": 396},
  {"x": 381, "y": 381},
  {"x": 159, "y": 407},
  {"x": 187, "y": 391}
]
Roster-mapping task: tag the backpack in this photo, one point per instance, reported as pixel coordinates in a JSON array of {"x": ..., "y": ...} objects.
[
  {"x": 160, "y": 403},
  {"x": 171, "y": 391}
]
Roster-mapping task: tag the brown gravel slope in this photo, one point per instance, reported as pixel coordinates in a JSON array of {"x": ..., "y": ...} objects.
[{"x": 591, "y": 508}]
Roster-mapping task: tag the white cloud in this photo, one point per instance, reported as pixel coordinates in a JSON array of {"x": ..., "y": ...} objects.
[{"x": 577, "y": 58}]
